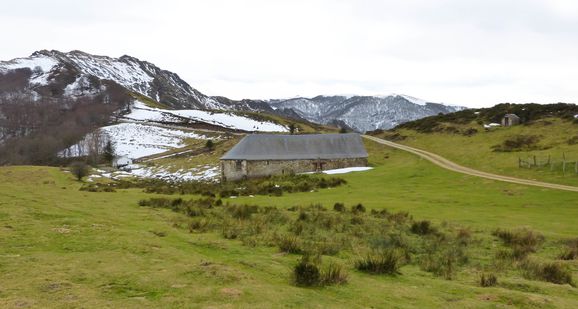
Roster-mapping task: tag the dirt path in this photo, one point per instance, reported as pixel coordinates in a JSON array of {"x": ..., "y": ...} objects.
[{"x": 447, "y": 164}]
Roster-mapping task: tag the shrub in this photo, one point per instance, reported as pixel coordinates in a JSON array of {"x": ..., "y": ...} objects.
[
  {"x": 519, "y": 143},
  {"x": 79, "y": 170},
  {"x": 521, "y": 241},
  {"x": 199, "y": 225},
  {"x": 488, "y": 280},
  {"x": 242, "y": 211},
  {"x": 306, "y": 272},
  {"x": 574, "y": 139},
  {"x": 359, "y": 208},
  {"x": 290, "y": 244},
  {"x": 571, "y": 250},
  {"x": 334, "y": 274},
  {"x": 422, "y": 228},
  {"x": 387, "y": 261},
  {"x": 339, "y": 207},
  {"x": 548, "y": 271}
]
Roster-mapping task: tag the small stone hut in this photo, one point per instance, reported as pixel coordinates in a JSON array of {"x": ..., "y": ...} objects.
[
  {"x": 510, "y": 120},
  {"x": 260, "y": 155}
]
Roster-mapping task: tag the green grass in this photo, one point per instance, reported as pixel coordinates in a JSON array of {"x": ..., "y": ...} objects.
[
  {"x": 60, "y": 247},
  {"x": 476, "y": 151}
]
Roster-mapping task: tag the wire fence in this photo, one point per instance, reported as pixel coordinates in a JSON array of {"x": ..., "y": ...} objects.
[{"x": 562, "y": 165}]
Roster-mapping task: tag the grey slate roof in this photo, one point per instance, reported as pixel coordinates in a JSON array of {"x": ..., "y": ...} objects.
[{"x": 297, "y": 147}]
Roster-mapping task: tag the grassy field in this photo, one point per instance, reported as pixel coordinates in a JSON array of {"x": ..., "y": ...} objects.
[
  {"x": 61, "y": 247},
  {"x": 476, "y": 151}
]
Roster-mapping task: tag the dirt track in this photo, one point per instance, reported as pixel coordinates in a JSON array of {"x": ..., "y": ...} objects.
[{"x": 447, "y": 164}]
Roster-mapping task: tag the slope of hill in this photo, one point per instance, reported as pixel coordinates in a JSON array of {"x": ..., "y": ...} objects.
[
  {"x": 363, "y": 113},
  {"x": 544, "y": 147},
  {"x": 65, "y": 247}
]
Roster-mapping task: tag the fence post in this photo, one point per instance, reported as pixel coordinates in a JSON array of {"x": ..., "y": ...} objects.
[
  {"x": 576, "y": 167},
  {"x": 519, "y": 162},
  {"x": 564, "y": 167}
]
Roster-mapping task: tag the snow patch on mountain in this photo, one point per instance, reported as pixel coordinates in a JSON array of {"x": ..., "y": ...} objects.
[
  {"x": 44, "y": 63},
  {"x": 141, "y": 112},
  {"x": 137, "y": 140}
]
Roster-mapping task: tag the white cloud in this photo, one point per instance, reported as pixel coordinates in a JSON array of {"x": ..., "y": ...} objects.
[{"x": 476, "y": 53}]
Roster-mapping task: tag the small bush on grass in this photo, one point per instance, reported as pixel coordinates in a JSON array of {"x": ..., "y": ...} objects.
[
  {"x": 422, "y": 228},
  {"x": 571, "y": 250},
  {"x": 386, "y": 261},
  {"x": 306, "y": 272},
  {"x": 521, "y": 241},
  {"x": 79, "y": 170},
  {"x": 335, "y": 274},
  {"x": 290, "y": 244},
  {"x": 488, "y": 280},
  {"x": 242, "y": 211},
  {"x": 199, "y": 225},
  {"x": 359, "y": 208},
  {"x": 547, "y": 271},
  {"x": 519, "y": 143},
  {"x": 339, "y": 207}
]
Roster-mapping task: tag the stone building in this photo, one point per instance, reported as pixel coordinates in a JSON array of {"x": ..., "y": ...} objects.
[
  {"x": 510, "y": 120},
  {"x": 260, "y": 155}
]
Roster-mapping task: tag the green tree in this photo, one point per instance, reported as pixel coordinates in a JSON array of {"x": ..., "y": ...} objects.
[
  {"x": 108, "y": 152},
  {"x": 79, "y": 170},
  {"x": 210, "y": 145},
  {"x": 292, "y": 128}
]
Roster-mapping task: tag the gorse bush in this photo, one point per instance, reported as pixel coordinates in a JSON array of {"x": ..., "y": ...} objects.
[
  {"x": 519, "y": 143},
  {"x": 488, "y": 280},
  {"x": 386, "y": 261},
  {"x": 306, "y": 272},
  {"x": 521, "y": 241},
  {"x": 334, "y": 274},
  {"x": 340, "y": 207},
  {"x": 571, "y": 250},
  {"x": 548, "y": 271},
  {"x": 422, "y": 228}
]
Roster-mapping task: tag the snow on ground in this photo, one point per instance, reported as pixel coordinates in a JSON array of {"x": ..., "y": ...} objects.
[
  {"x": 138, "y": 140},
  {"x": 201, "y": 173},
  {"x": 45, "y": 63},
  {"x": 344, "y": 170},
  {"x": 347, "y": 170},
  {"x": 142, "y": 112},
  {"x": 413, "y": 100}
]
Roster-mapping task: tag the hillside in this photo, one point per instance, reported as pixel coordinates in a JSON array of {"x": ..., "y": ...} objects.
[
  {"x": 547, "y": 133},
  {"x": 54, "y": 105},
  {"x": 65, "y": 247}
]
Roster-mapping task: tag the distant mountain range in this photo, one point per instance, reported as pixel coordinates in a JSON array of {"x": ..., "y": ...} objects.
[
  {"x": 76, "y": 74},
  {"x": 363, "y": 113}
]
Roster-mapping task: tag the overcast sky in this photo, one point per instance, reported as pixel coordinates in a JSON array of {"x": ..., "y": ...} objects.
[{"x": 473, "y": 53}]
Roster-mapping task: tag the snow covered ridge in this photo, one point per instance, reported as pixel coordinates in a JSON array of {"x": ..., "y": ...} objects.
[
  {"x": 136, "y": 140},
  {"x": 141, "y": 112},
  {"x": 131, "y": 73}
]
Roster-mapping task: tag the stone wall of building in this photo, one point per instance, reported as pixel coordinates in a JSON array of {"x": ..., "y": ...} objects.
[{"x": 241, "y": 169}]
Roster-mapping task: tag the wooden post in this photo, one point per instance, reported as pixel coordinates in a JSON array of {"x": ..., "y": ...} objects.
[
  {"x": 564, "y": 167},
  {"x": 535, "y": 161},
  {"x": 519, "y": 162},
  {"x": 576, "y": 167}
]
